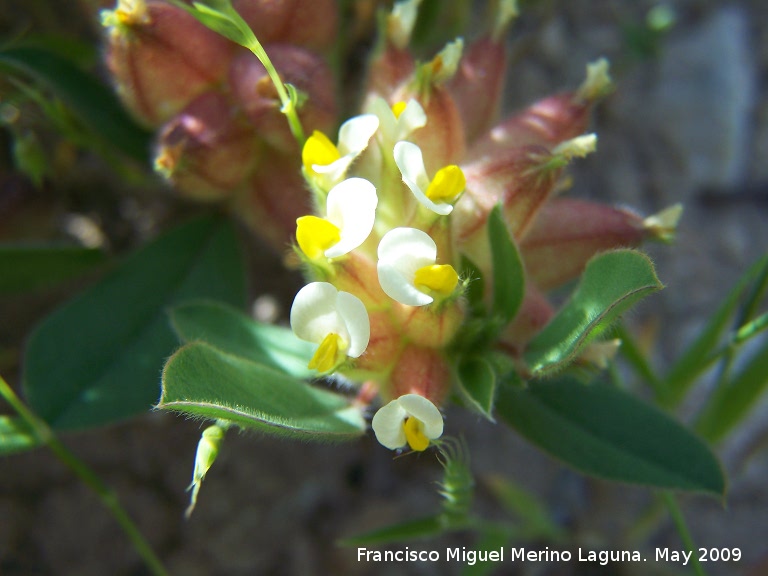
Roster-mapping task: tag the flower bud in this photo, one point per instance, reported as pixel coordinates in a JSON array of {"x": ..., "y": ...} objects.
[
  {"x": 253, "y": 89},
  {"x": 274, "y": 198},
  {"x": 422, "y": 371},
  {"x": 207, "y": 151},
  {"x": 309, "y": 23},
  {"x": 477, "y": 86},
  {"x": 567, "y": 233},
  {"x": 161, "y": 58},
  {"x": 551, "y": 120}
]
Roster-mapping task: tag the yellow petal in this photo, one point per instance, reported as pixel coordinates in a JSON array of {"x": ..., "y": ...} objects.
[
  {"x": 414, "y": 434},
  {"x": 315, "y": 235},
  {"x": 447, "y": 184},
  {"x": 327, "y": 355},
  {"x": 319, "y": 150},
  {"x": 398, "y": 108},
  {"x": 441, "y": 278}
]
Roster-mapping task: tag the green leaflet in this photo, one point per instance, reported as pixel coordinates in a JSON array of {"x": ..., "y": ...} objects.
[
  {"x": 24, "y": 268},
  {"x": 233, "y": 332},
  {"x": 611, "y": 283},
  {"x": 604, "y": 432},
  {"x": 98, "y": 358},
  {"x": 200, "y": 380},
  {"x": 508, "y": 272},
  {"x": 477, "y": 384},
  {"x": 91, "y": 101},
  {"x": 16, "y": 435}
]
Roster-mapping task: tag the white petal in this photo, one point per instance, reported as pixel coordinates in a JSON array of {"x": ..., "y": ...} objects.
[
  {"x": 411, "y": 118},
  {"x": 356, "y": 132},
  {"x": 351, "y": 206},
  {"x": 334, "y": 172},
  {"x": 410, "y": 161},
  {"x": 387, "y": 424},
  {"x": 402, "y": 252},
  {"x": 355, "y": 317},
  {"x": 423, "y": 410},
  {"x": 387, "y": 120},
  {"x": 314, "y": 313}
]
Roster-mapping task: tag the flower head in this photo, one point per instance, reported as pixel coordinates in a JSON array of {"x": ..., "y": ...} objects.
[
  {"x": 350, "y": 215},
  {"x": 410, "y": 419},
  {"x": 407, "y": 269},
  {"x": 438, "y": 194},
  {"x": 327, "y": 163},
  {"x": 336, "y": 321}
]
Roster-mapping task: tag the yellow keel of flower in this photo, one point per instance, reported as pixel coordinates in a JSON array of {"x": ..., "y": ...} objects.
[
  {"x": 315, "y": 235},
  {"x": 414, "y": 434},
  {"x": 327, "y": 355},
  {"x": 398, "y": 108},
  {"x": 319, "y": 150},
  {"x": 440, "y": 278},
  {"x": 447, "y": 184}
]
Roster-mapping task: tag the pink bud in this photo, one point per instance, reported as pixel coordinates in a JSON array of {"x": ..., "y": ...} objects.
[
  {"x": 422, "y": 371},
  {"x": 547, "y": 123},
  {"x": 161, "y": 58},
  {"x": 273, "y": 198},
  {"x": 207, "y": 151},
  {"x": 520, "y": 178},
  {"x": 356, "y": 273},
  {"x": 387, "y": 70},
  {"x": 308, "y": 23},
  {"x": 568, "y": 232},
  {"x": 477, "y": 86},
  {"x": 254, "y": 91}
]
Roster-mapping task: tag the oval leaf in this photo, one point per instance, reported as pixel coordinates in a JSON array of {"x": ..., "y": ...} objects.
[
  {"x": 25, "y": 268},
  {"x": 611, "y": 283},
  {"x": 233, "y": 332},
  {"x": 200, "y": 380},
  {"x": 604, "y": 432},
  {"x": 98, "y": 358}
]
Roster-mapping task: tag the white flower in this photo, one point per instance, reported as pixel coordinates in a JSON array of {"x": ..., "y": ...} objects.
[
  {"x": 350, "y": 215},
  {"x": 438, "y": 194},
  {"x": 327, "y": 163},
  {"x": 397, "y": 122},
  {"x": 336, "y": 321},
  {"x": 410, "y": 419},
  {"x": 407, "y": 269}
]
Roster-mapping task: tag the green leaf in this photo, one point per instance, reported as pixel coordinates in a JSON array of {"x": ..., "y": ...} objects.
[
  {"x": 93, "y": 102},
  {"x": 402, "y": 532},
  {"x": 730, "y": 403},
  {"x": 475, "y": 286},
  {"x": 508, "y": 272},
  {"x": 235, "y": 333},
  {"x": 200, "y": 380},
  {"x": 24, "y": 268},
  {"x": 16, "y": 435},
  {"x": 604, "y": 432},
  {"x": 477, "y": 384},
  {"x": 98, "y": 358},
  {"x": 691, "y": 365},
  {"x": 535, "y": 520},
  {"x": 611, "y": 283}
]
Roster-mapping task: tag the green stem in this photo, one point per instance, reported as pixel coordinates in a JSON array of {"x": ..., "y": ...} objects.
[
  {"x": 682, "y": 529},
  {"x": 107, "y": 496}
]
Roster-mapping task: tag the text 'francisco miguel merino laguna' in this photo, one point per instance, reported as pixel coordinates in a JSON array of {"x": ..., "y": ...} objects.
[{"x": 471, "y": 557}]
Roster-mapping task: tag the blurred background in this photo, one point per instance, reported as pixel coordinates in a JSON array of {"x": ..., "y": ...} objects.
[{"x": 688, "y": 123}]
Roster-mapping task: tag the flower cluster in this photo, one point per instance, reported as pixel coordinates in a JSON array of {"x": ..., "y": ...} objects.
[{"x": 406, "y": 192}]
